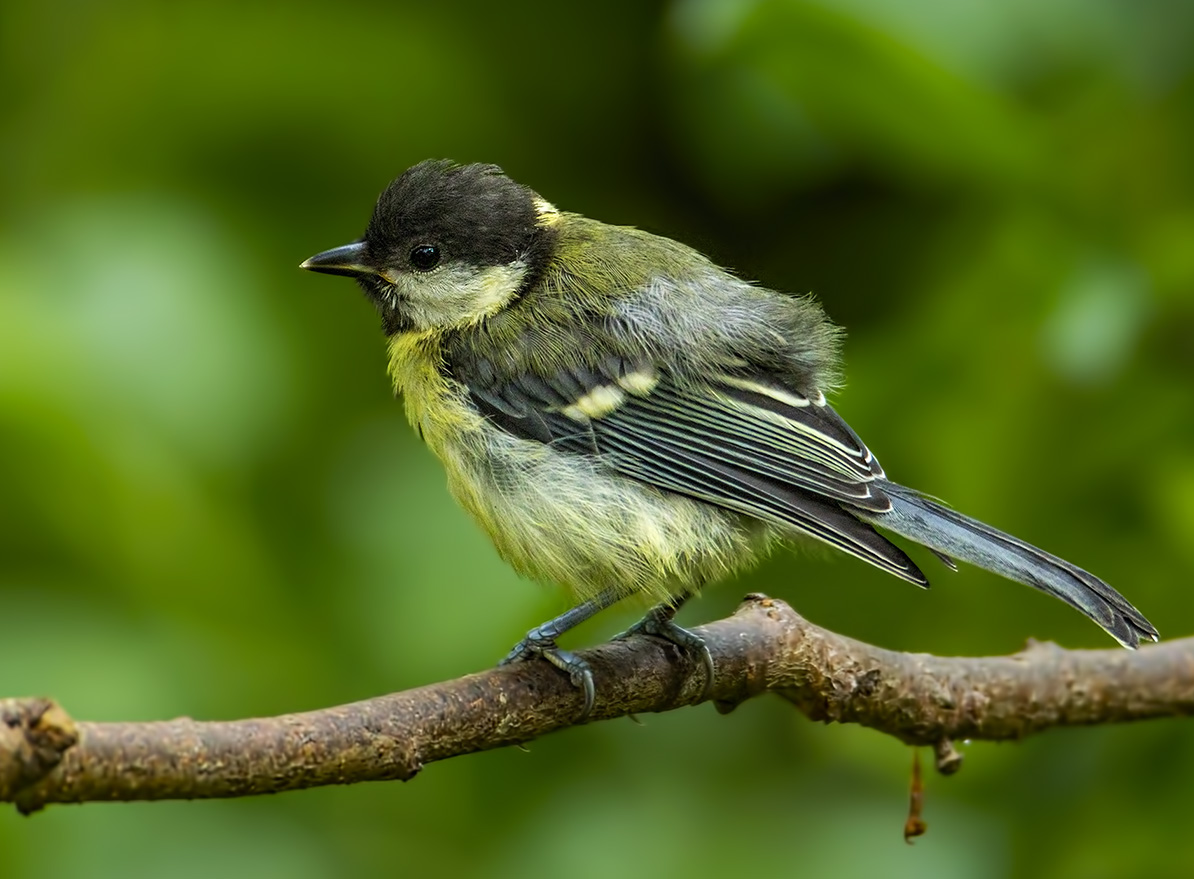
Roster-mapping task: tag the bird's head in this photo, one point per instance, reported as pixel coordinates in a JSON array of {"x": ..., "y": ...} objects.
[{"x": 448, "y": 245}]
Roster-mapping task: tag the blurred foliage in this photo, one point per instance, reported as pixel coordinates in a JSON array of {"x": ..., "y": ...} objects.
[{"x": 210, "y": 505}]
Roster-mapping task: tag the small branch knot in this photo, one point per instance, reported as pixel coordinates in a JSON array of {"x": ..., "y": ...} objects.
[
  {"x": 34, "y": 736},
  {"x": 949, "y": 758}
]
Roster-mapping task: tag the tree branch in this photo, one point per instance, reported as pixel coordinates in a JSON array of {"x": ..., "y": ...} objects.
[{"x": 765, "y": 646}]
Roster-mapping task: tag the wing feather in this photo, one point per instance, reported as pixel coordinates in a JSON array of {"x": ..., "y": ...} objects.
[{"x": 740, "y": 444}]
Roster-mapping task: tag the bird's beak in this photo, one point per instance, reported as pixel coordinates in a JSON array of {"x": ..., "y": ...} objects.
[{"x": 347, "y": 260}]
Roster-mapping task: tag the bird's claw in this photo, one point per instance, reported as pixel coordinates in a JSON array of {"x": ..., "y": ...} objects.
[
  {"x": 659, "y": 622},
  {"x": 578, "y": 671}
]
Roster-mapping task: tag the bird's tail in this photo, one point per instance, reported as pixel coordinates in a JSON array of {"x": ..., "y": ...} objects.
[{"x": 949, "y": 533}]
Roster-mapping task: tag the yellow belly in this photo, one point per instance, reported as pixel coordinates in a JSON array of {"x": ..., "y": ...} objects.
[{"x": 560, "y": 517}]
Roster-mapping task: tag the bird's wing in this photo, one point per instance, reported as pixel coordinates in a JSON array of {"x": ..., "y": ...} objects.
[{"x": 737, "y": 440}]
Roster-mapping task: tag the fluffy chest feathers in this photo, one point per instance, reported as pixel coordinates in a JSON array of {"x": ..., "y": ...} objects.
[{"x": 561, "y": 517}]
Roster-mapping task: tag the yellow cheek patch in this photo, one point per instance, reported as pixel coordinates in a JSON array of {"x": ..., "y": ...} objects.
[
  {"x": 493, "y": 289},
  {"x": 597, "y": 403}
]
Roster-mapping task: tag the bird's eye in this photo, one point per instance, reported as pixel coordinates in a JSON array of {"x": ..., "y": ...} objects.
[{"x": 425, "y": 257}]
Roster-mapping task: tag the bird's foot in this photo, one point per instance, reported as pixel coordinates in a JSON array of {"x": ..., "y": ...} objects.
[
  {"x": 538, "y": 643},
  {"x": 660, "y": 623}
]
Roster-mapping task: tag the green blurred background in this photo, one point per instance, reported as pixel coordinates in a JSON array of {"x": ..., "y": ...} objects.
[{"x": 210, "y": 504}]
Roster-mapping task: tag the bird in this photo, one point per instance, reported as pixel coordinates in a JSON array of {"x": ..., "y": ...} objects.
[{"x": 624, "y": 417}]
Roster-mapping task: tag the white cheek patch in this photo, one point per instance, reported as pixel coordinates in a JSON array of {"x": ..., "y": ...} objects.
[
  {"x": 456, "y": 296},
  {"x": 493, "y": 289}
]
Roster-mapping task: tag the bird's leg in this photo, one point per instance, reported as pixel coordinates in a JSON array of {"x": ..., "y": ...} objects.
[
  {"x": 660, "y": 622},
  {"x": 541, "y": 641}
]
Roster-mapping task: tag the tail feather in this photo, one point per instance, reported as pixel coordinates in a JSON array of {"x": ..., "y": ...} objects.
[{"x": 952, "y": 534}]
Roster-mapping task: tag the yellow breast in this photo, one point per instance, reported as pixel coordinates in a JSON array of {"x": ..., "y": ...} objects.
[
  {"x": 434, "y": 408},
  {"x": 559, "y": 517}
]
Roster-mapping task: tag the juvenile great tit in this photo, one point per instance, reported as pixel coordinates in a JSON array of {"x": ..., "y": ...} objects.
[{"x": 623, "y": 417}]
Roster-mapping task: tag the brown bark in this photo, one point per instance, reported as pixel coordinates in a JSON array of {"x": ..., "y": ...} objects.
[{"x": 765, "y": 646}]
